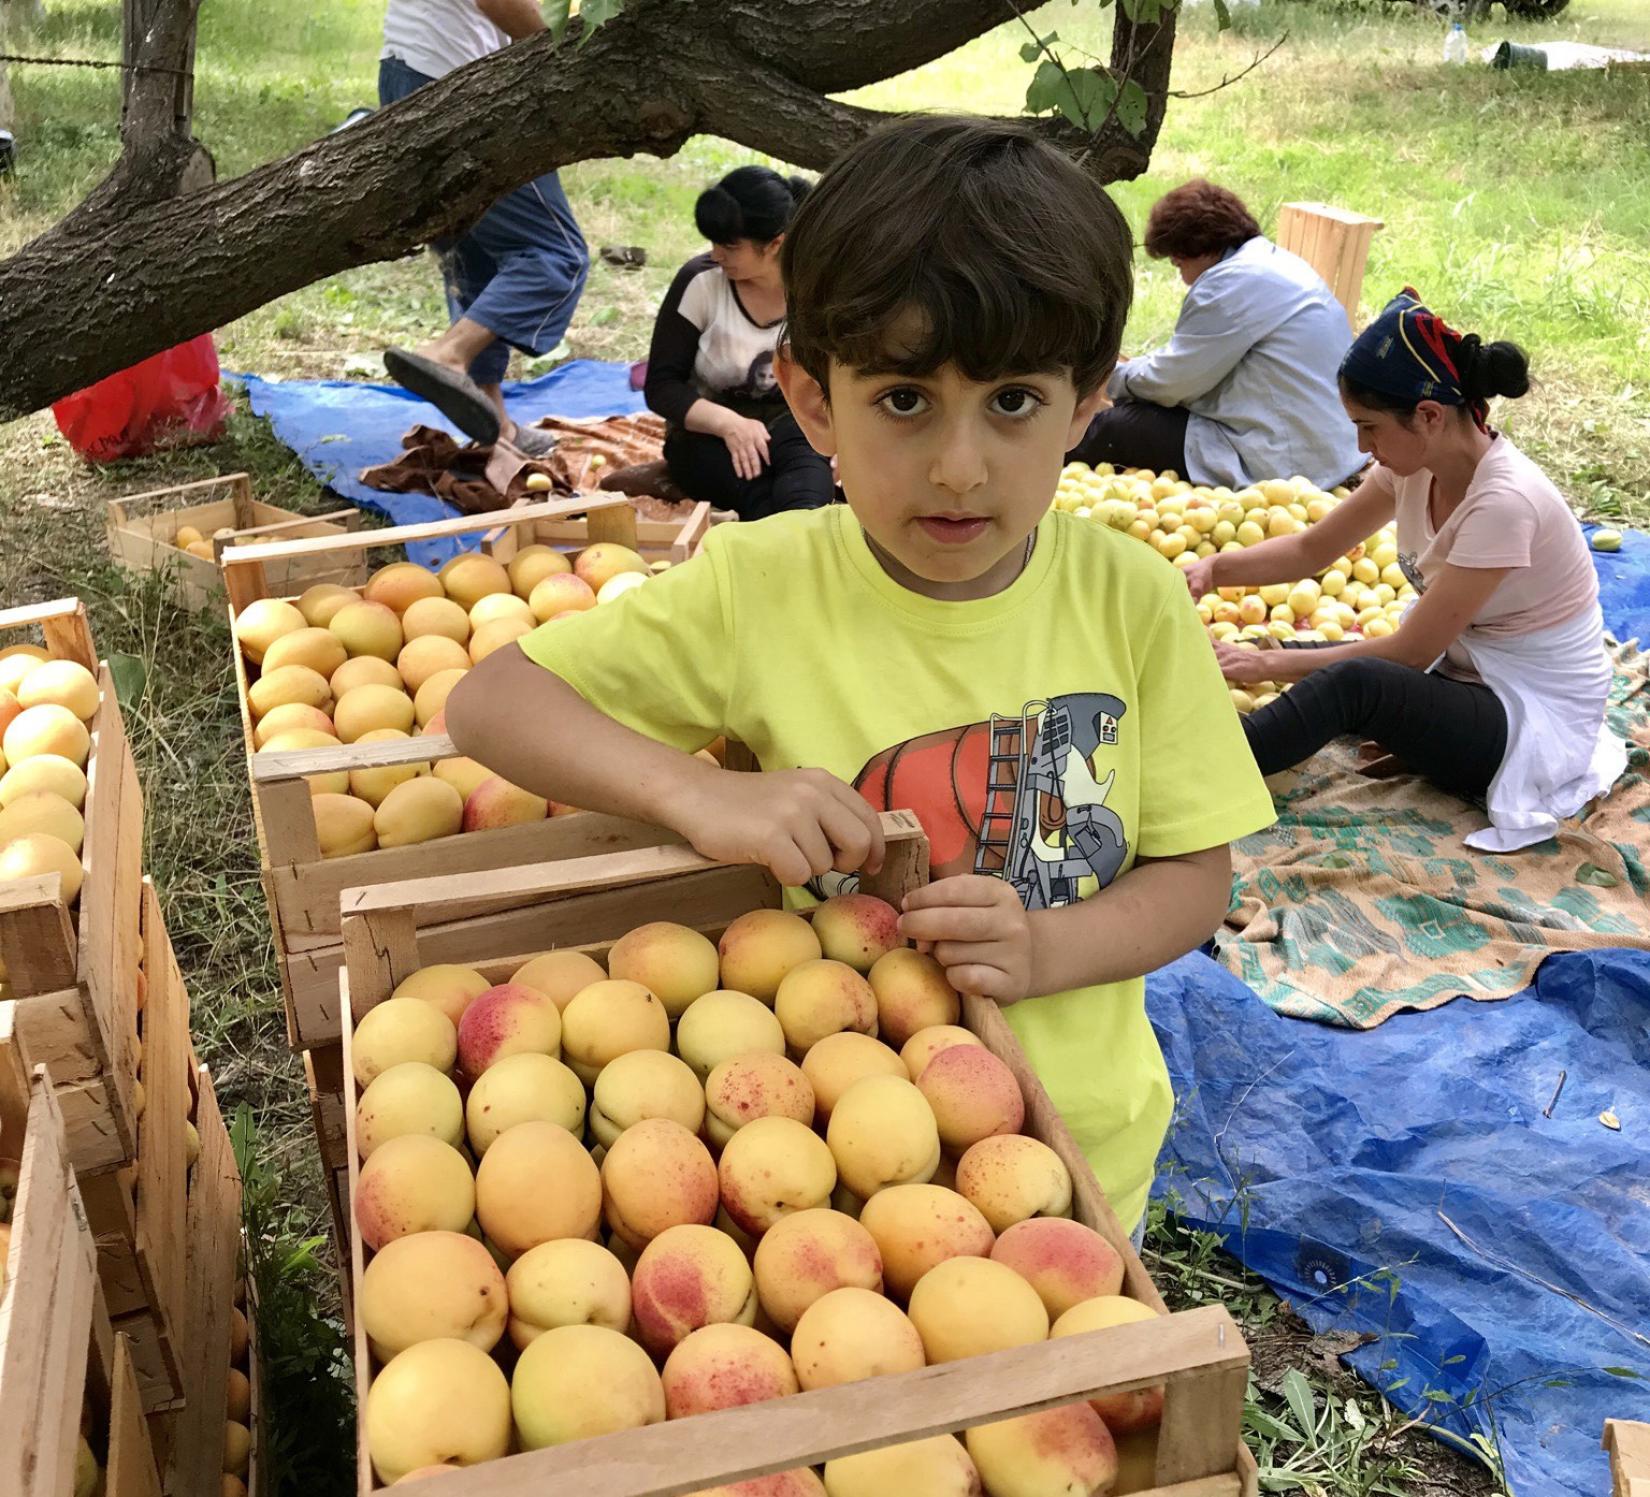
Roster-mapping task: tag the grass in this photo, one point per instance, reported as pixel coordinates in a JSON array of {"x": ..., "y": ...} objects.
[{"x": 1519, "y": 204}]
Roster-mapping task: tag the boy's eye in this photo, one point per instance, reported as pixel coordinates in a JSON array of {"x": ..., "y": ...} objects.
[
  {"x": 1017, "y": 401},
  {"x": 902, "y": 402}
]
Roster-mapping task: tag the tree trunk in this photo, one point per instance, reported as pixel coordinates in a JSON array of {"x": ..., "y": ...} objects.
[{"x": 135, "y": 270}]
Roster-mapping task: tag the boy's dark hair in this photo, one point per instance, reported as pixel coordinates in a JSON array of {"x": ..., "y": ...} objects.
[
  {"x": 751, "y": 202},
  {"x": 1007, "y": 257},
  {"x": 1198, "y": 219}
]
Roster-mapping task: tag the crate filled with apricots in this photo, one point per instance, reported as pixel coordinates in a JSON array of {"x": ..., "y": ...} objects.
[
  {"x": 1361, "y": 595},
  {"x": 709, "y": 1190},
  {"x": 354, "y": 781}
]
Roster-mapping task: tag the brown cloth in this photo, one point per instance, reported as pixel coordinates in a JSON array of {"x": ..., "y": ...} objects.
[{"x": 477, "y": 479}]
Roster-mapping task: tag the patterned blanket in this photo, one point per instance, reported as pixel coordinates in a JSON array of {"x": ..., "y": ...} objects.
[{"x": 1363, "y": 901}]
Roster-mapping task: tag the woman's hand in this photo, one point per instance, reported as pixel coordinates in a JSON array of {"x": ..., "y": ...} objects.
[
  {"x": 747, "y": 442},
  {"x": 796, "y": 823},
  {"x": 1241, "y": 664},
  {"x": 1200, "y": 578},
  {"x": 978, "y": 930}
]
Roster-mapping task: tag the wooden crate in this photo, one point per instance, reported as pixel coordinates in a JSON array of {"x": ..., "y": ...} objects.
[
  {"x": 143, "y": 528},
  {"x": 1334, "y": 242},
  {"x": 57, "y": 1348},
  {"x": 193, "y": 1438},
  {"x": 1629, "y": 1447},
  {"x": 672, "y": 541},
  {"x": 587, "y": 904},
  {"x": 302, "y": 888},
  {"x": 74, "y": 974},
  {"x": 138, "y": 1213}
]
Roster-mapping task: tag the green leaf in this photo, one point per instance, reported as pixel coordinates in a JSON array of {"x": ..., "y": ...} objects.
[
  {"x": 1031, "y": 51},
  {"x": 1270, "y": 1426},
  {"x": 1451, "y": 1361},
  {"x": 1623, "y": 1372},
  {"x": 130, "y": 677},
  {"x": 1223, "y": 16},
  {"x": 596, "y": 13},
  {"x": 555, "y": 16},
  {"x": 1298, "y": 1393},
  {"x": 1131, "y": 107},
  {"x": 1048, "y": 83}
]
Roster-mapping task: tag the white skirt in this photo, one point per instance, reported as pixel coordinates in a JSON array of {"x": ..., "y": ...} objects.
[{"x": 1554, "y": 685}]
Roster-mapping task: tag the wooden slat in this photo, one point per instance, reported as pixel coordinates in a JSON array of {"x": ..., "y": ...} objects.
[
  {"x": 196, "y": 1456},
  {"x": 131, "y": 1468},
  {"x": 63, "y": 625},
  {"x": 37, "y": 937},
  {"x": 1629, "y": 1446}
]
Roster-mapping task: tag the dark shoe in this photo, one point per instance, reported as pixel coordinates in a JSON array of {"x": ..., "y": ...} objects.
[
  {"x": 625, "y": 256},
  {"x": 652, "y": 480},
  {"x": 458, "y": 397},
  {"x": 534, "y": 441}
]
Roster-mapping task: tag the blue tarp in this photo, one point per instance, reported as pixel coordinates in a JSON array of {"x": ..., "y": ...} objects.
[
  {"x": 1329, "y": 1155},
  {"x": 1624, "y": 585},
  {"x": 339, "y": 427}
]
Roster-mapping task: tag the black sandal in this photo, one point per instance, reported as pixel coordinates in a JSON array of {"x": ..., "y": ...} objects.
[{"x": 458, "y": 397}]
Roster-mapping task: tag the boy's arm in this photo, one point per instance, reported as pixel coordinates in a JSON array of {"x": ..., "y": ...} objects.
[
  {"x": 797, "y": 823},
  {"x": 988, "y": 943}
]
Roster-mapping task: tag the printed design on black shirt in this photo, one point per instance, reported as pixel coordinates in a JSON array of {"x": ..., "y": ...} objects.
[
  {"x": 759, "y": 383},
  {"x": 1018, "y": 796}
]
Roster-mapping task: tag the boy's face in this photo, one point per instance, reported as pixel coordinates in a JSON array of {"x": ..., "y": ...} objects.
[{"x": 947, "y": 476}]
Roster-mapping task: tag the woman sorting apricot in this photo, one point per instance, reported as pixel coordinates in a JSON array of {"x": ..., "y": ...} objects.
[{"x": 1494, "y": 686}]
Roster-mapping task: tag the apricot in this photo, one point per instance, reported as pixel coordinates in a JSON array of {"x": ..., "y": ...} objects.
[
  {"x": 925, "y": 1044},
  {"x": 507, "y": 1020},
  {"x": 609, "y": 1019},
  {"x": 857, "y": 929},
  {"x": 36, "y": 854},
  {"x": 343, "y": 825},
  {"x": 432, "y": 696},
  {"x": 558, "y": 594},
  {"x": 316, "y": 648},
  {"x": 263, "y": 622},
  {"x": 536, "y": 1183},
  {"x": 470, "y": 577},
  {"x": 428, "y": 1287},
  {"x": 401, "y": 584},
  {"x": 494, "y": 636},
  {"x": 420, "y": 810},
  {"x": 912, "y": 994},
  {"x": 372, "y": 785},
  {"x": 46, "y": 729},
  {"x": 723, "y": 1367},
  {"x": 850, "y": 1334},
  {"x": 364, "y": 670},
  {"x": 294, "y": 717},
  {"x": 428, "y": 654},
  {"x": 657, "y": 1175},
  {"x": 808, "y": 1254},
  {"x": 60, "y": 683},
  {"x": 411, "y": 1097},
  {"x": 438, "y": 1403},
  {"x": 414, "y": 1183},
  {"x": 1064, "y": 1261},
  {"x": 1060, "y": 1450},
  {"x": 464, "y": 775},
  {"x": 367, "y": 628},
  {"x": 760, "y": 947},
  {"x": 367, "y": 709},
  {"x": 759, "y": 1084},
  {"x": 599, "y": 564},
  {"x": 687, "y": 1277},
  {"x": 495, "y": 802},
  {"x": 1011, "y": 1177},
  {"x": 319, "y": 603},
  {"x": 799, "y": 1483},
  {"x": 1124, "y": 1413},
  {"x": 643, "y": 1084},
  {"x": 772, "y": 1167},
  {"x": 566, "y": 1282},
  {"x": 936, "y": 1467},
  {"x": 436, "y": 618},
  {"x": 973, "y": 1095},
  {"x": 578, "y": 1381},
  {"x": 44, "y": 774},
  {"x": 839, "y": 1060},
  {"x": 563, "y": 975},
  {"x": 916, "y": 1227},
  {"x": 882, "y": 1133},
  {"x": 965, "y": 1307},
  {"x": 529, "y": 1087},
  {"x": 672, "y": 962},
  {"x": 718, "y": 1026},
  {"x": 532, "y": 564},
  {"x": 290, "y": 685},
  {"x": 42, "y": 811},
  {"x": 497, "y": 606},
  {"x": 400, "y": 1030}
]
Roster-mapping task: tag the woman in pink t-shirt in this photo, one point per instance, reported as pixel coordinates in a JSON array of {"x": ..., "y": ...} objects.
[{"x": 1495, "y": 685}]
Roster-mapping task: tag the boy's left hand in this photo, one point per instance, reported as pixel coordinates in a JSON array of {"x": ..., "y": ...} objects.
[{"x": 977, "y": 929}]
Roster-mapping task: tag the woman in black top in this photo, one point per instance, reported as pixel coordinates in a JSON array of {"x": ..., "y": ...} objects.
[{"x": 732, "y": 439}]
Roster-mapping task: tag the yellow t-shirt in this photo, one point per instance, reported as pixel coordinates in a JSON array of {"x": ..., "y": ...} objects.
[{"x": 1050, "y": 734}]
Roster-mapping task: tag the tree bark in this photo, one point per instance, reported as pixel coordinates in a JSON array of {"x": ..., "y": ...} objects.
[{"x": 135, "y": 270}]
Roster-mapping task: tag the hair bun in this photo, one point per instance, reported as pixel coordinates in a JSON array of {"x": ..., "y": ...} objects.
[
  {"x": 800, "y": 187},
  {"x": 1491, "y": 369}
]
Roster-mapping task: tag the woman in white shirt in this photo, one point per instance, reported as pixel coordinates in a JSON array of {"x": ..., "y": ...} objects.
[
  {"x": 1245, "y": 389},
  {"x": 1495, "y": 685}
]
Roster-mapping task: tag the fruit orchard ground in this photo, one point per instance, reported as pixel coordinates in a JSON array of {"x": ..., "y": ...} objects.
[{"x": 1520, "y": 205}]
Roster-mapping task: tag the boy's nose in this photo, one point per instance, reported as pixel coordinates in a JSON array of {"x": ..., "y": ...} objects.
[{"x": 959, "y": 465}]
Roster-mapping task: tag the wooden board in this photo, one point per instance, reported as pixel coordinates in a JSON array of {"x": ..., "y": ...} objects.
[
  {"x": 142, "y": 533},
  {"x": 1629, "y": 1447},
  {"x": 195, "y": 1457},
  {"x": 46, "y": 1308},
  {"x": 1334, "y": 242},
  {"x": 1200, "y": 1356},
  {"x": 120, "y": 1435},
  {"x": 75, "y": 971}
]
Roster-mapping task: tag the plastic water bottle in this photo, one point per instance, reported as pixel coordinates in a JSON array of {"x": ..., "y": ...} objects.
[{"x": 1455, "y": 44}]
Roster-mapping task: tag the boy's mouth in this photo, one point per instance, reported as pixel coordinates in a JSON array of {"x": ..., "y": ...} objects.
[{"x": 954, "y": 529}]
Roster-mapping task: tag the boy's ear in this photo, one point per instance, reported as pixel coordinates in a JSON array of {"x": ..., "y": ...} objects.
[
  {"x": 808, "y": 403},
  {"x": 1087, "y": 409}
]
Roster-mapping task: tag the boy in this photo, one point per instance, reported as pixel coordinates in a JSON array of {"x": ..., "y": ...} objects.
[{"x": 1037, "y": 689}]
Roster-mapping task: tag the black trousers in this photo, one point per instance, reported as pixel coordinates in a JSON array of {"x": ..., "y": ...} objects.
[
  {"x": 796, "y": 477},
  {"x": 1136, "y": 434},
  {"x": 1452, "y": 732}
]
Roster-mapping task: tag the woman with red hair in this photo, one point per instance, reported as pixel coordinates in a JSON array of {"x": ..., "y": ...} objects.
[{"x": 1245, "y": 389}]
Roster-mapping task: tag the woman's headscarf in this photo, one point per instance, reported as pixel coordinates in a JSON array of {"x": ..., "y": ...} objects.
[{"x": 1410, "y": 354}]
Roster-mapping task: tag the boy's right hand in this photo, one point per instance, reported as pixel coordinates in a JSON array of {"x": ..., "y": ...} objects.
[{"x": 796, "y": 823}]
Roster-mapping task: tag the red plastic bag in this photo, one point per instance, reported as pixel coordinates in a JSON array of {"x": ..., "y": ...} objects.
[{"x": 171, "y": 399}]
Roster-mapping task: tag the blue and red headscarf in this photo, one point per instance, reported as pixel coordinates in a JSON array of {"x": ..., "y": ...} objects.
[{"x": 1410, "y": 354}]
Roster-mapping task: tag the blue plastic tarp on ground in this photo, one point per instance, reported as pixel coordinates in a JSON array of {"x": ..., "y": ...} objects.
[
  {"x": 1328, "y": 1155},
  {"x": 1624, "y": 585},
  {"x": 339, "y": 427}
]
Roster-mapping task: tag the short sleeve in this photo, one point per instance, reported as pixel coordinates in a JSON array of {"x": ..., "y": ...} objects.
[
  {"x": 659, "y": 659},
  {"x": 1199, "y": 786},
  {"x": 1498, "y": 530}
]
